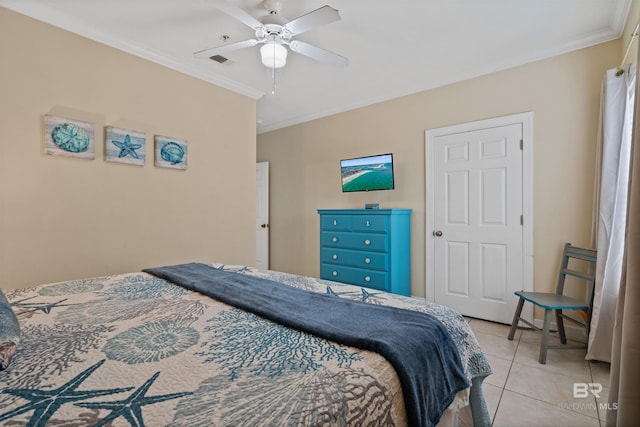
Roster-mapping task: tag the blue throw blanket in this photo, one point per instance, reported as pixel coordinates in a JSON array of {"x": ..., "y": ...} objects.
[{"x": 416, "y": 344}]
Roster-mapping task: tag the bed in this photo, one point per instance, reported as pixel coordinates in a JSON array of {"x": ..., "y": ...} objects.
[{"x": 138, "y": 349}]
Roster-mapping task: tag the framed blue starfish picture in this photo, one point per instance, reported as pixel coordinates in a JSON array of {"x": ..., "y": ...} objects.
[{"x": 125, "y": 146}]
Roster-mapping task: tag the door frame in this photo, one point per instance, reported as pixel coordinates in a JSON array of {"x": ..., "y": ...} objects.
[
  {"x": 262, "y": 195},
  {"x": 526, "y": 120}
]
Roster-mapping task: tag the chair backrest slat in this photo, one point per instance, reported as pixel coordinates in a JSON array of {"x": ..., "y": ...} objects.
[
  {"x": 588, "y": 255},
  {"x": 581, "y": 254},
  {"x": 579, "y": 275}
]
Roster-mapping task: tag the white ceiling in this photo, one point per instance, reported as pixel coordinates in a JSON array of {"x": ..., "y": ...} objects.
[{"x": 395, "y": 48}]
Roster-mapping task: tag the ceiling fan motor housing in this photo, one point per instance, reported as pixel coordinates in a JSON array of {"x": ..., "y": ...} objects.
[{"x": 271, "y": 31}]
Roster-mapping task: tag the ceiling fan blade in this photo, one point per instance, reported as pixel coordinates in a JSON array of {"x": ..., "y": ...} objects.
[
  {"x": 322, "y": 16},
  {"x": 208, "y": 53},
  {"x": 318, "y": 54},
  {"x": 237, "y": 13}
]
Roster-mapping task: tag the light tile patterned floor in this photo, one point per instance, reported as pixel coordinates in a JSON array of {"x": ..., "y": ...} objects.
[{"x": 522, "y": 392}]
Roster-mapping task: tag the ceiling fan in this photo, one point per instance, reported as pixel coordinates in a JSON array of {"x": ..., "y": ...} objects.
[{"x": 275, "y": 33}]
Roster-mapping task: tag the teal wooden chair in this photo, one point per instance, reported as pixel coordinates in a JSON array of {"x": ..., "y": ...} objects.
[{"x": 557, "y": 302}]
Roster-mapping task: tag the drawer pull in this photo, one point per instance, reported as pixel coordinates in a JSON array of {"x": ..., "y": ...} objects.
[
  {"x": 367, "y": 242},
  {"x": 335, "y": 239},
  {"x": 367, "y": 224},
  {"x": 334, "y": 256},
  {"x": 335, "y": 222},
  {"x": 367, "y": 260},
  {"x": 335, "y": 273},
  {"x": 367, "y": 278}
]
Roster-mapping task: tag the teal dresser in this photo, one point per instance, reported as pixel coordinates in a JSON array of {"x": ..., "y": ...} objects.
[{"x": 367, "y": 247}]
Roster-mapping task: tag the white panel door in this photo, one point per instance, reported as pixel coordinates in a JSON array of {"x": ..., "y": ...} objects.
[
  {"x": 477, "y": 230},
  {"x": 262, "y": 215}
]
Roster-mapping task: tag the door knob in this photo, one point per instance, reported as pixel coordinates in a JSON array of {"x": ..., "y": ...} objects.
[{"x": 437, "y": 233}]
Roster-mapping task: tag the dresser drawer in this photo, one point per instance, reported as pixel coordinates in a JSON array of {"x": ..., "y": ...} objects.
[
  {"x": 370, "y": 223},
  {"x": 372, "y": 260},
  {"x": 335, "y": 222},
  {"x": 369, "y": 242},
  {"x": 355, "y": 276}
]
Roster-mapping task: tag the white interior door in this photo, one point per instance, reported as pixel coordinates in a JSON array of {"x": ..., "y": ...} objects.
[
  {"x": 477, "y": 236},
  {"x": 262, "y": 215}
]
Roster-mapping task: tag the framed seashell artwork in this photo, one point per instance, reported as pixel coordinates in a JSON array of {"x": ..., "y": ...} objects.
[
  {"x": 170, "y": 152},
  {"x": 125, "y": 146},
  {"x": 68, "y": 137}
]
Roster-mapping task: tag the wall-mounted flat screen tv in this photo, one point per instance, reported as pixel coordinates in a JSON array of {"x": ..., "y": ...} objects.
[{"x": 367, "y": 173}]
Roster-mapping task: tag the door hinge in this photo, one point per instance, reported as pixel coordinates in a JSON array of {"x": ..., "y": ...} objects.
[
  {"x": 521, "y": 219},
  {"x": 521, "y": 144}
]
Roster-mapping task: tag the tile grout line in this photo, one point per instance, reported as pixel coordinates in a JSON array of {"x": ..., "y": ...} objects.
[
  {"x": 504, "y": 386},
  {"x": 600, "y": 420}
]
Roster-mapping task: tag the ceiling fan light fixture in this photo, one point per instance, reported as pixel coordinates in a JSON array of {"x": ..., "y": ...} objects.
[{"x": 274, "y": 55}]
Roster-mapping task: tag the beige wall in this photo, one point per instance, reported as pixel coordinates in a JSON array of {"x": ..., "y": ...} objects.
[
  {"x": 563, "y": 92},
  {"x": 66, "y": 218}
]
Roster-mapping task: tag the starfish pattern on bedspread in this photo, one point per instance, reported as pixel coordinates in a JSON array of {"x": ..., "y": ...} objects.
[
  {"x": 236, "y": 269},
  {"x": 131, "y": 407},
  {"x": 39, "y": 306},
  {"x": 364, "y": 294},
  {"x": 45, "y": 403}
]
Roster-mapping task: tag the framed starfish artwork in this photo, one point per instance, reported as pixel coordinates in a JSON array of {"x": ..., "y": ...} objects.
[
  {"x": 125, "y": 146},
  {"x": 170, "y": 152},
  {"x": 68, "y": 137}
]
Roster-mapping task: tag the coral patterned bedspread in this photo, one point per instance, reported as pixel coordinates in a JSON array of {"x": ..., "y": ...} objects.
[{"x": 134, "y": 349}]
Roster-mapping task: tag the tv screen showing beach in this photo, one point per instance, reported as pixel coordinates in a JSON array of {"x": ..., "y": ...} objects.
[{"x": 367, "y": 173}]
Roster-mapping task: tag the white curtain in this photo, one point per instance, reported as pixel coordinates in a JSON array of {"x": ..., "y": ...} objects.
[{"x": 617, "y": 126}]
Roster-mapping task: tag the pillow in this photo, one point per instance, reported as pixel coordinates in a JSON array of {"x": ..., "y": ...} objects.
[{"x": 9, "y": 332}]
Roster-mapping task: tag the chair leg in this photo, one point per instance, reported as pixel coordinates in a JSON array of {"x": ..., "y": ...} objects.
[
  {"x": 545, "y": 337},
  {"x": 560, "y": 322},
  {"x": 516, "y": 320}
]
